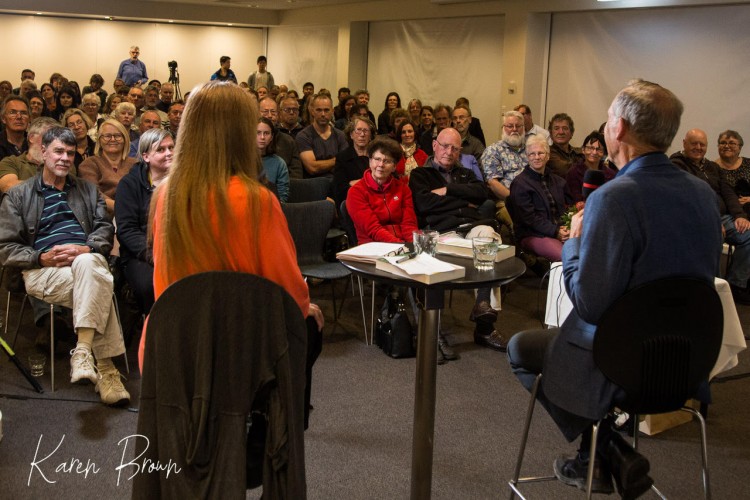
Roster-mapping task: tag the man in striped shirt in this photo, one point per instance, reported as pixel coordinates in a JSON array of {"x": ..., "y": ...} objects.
[{"x": 57, "y": 230}]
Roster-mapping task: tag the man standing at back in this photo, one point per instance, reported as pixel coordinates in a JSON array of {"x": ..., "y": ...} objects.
[
  {"x": 133, "y": 71},
  {"x": 634, "y": 229},
  {"x": 260, "y": 78},
  {"x": 320, "y": 142}
]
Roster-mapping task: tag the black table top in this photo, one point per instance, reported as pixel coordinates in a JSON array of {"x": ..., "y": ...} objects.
[{"x": 504, "y": 272}]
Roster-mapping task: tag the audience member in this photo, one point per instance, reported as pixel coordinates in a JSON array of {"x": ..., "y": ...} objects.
[
  {"x": 475, "y": 126},
  {"x": 67, "y": 98},
  {"x": 111, "y": 104},
  {"x": 132, "y": 71},
  {"x": 341, "y": 113},
  {"x": 149, "y": 120},
  {"x": 320, "y": 142},
  {"x": 132, "y": 203},
  {"x": 284, "y": 144},
  {"x": 735, "y": 168},
  {"x": 448, "y": 196},
  {"x": 528, "y": 123},
  {"x": 736, "y": 225},
  {"x": 392, "y": 101},
  {"x": 137, "y": 98},
  {"x": 260, "y": 78},
  {"x": 594, "y": 150},
  {"x": 601, "y": 262},
  {"x": 274, "y": 168},
  {"x": 380, "y": 204},
  {"x": 37, "y": 108},
  {"x": 175, "y": 117},
  {"x": 6, "y": 89},
  {"x": 415, "y": 110},
  {"x": 26, "y": 74},
  {"x": 110, "y": 162},
  {"x": 90, "y": 106},
  {"x": 96, "y": 82},
  {"x": 125, "y": 114},
  {"x": 48, "y": 92},
  {"x": 562, "y": 154},
  {"x": 363, "y": 97},
  {"x": 462, "y": 119},
  {"x": 166, "y": 95},
  {"x": 442, "y": 117},
  {"x": 413, "y": 156},
  {"x": 56, "y": 228},
  {"x": 77, "y": 121},
  {"x": 503, "y": 161},
  {"x": 15, "y": 119},
  {"x": 426, "y": 120},
  {"x": 224, "y": 74},
  {"x": 289, "y": 116},
  {"x": 538, "y": 199},
  {"x": 352, "y": 162},
  {"x": 18, "y": 168}
]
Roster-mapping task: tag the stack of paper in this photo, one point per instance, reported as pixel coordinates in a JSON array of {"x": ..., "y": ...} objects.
[
  {"x": 371, "y": 252},
  {"x": 423, "y": 268}
]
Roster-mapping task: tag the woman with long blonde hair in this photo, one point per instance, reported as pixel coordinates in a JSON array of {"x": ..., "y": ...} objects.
[{"x": 212, "y": 214}]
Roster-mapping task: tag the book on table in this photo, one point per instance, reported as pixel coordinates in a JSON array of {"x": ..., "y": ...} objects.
[
  {"x": 371, "y": 252},
  {"x": 453, "y": 244},
  {"x": 423, "y": 268}
]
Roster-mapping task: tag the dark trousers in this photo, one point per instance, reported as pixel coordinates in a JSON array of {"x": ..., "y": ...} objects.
[
  {"x": 314, "y": 348},
  {"x": 140, "y": 277},
  {"x": 526, "y": 352}
]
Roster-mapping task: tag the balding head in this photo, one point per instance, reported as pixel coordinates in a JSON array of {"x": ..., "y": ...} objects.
[
  {"x": 149, "y": 119},
  {"x": 447, "y": 148},
  {"x": 694, "y": 145},
  {"x": 269, "y": 109}
]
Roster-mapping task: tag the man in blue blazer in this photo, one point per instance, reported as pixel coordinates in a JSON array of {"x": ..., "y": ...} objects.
[{"x": 635, "y": 229}]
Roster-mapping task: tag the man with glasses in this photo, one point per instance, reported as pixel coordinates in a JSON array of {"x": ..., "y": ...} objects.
[
  {"x": 56, "y": 228},
  {"x": 132, "y": 71},
  {"x": 151, "y": 100},
  {"x": 320, "y": 142},
  {"x": 15, "y": 118},
  {"x": 528, "y": 123},
  {"x": 166, "y": 94},
  {"x": 692, "y": 159},
  {"x": 289, "y": 116},
  {"x": 448, "y": 197},
  {"x": 462, "y": 119},
  {"x": 286, "y": 146},
  {"x": 442, "y": 115},
  {"x": 562, "y": 155},
  {"x": 136, "y": 98}
]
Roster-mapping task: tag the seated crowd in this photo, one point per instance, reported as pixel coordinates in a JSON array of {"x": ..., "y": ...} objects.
[{"x": 414, "y": 167}]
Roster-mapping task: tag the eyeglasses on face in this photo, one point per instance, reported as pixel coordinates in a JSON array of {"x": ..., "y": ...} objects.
[
  {"x": 290, "y": 111},
  {"x": 112, "y": 137},
  {"x": 17, "y": 112},
  {"x": 361, "y": 131},
  {"x": 732, "y": 144},
  {"x": 592, "y": 149},
  {"x": 453, "y": 149},
  {"x": 382, "y": 160}
]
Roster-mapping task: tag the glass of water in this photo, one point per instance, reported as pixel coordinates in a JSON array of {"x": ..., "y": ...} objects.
[
  {"x": 485, "y": 251},
  {"x": 425, "y": 241}
]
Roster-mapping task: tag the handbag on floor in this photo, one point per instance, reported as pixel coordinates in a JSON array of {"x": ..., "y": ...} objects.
[{"x": 394, "y": 333}]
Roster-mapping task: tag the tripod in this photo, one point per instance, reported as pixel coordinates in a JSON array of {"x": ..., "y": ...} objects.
[{"x": 174, "y": 79}]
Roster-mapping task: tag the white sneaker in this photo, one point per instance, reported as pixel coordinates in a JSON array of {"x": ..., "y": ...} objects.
[
  {"x": 111, "y": 390},
  {"x": 82, "y": 366}
]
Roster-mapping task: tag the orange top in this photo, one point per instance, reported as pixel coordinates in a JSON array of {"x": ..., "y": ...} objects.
[{"x": 277, "y": 260}]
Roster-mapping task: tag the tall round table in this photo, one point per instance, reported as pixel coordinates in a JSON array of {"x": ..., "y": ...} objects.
[{"x": 424, "y": 387}]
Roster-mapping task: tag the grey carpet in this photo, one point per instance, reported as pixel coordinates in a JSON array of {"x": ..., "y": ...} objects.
[{"x": 359, "y": 442}]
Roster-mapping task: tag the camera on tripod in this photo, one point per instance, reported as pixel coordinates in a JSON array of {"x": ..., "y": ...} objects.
[{"x": 174, "y": 78}]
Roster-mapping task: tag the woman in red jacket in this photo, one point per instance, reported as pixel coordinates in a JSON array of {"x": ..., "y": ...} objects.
[{"x": 380, "y": 205}]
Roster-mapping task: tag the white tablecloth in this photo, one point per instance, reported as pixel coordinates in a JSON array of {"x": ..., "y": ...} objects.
[{"x": 559, "y": 306}]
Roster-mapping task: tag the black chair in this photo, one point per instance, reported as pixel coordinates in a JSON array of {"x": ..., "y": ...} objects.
[
  {"x": 308, "y": 224},
  {"x": 658, "y": 342},
  {"x": 313, "y": 189},
  {"x": 210, "y": 364}
]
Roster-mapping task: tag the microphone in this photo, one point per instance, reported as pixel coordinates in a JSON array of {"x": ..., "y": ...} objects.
[{"x": 592, "y": 179}]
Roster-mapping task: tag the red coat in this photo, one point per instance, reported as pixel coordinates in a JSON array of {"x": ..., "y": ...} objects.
[
  {"x": 419, "y": 155},
  {"x": 381, "y": 213}
]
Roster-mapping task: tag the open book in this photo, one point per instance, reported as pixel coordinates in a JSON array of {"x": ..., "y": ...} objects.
[
  {"x": 453, "y": 244},
  {"x": 423, "y": 268},
  {"x": 371, "y": 252}
]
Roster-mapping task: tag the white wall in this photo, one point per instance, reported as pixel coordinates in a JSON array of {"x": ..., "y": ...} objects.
[
  {"x": 439, "y": 61},
  {"x": 698, "y": 53},
  {"x": 299, "y": 55},
  {"x": 77, "y": 48}
]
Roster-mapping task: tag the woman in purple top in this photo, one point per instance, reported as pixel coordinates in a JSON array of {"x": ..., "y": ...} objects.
[{"x": 594, "y": 151}]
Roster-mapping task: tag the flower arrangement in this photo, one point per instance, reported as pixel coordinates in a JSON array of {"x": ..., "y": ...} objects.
[{"x": 572, "y": 210}]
